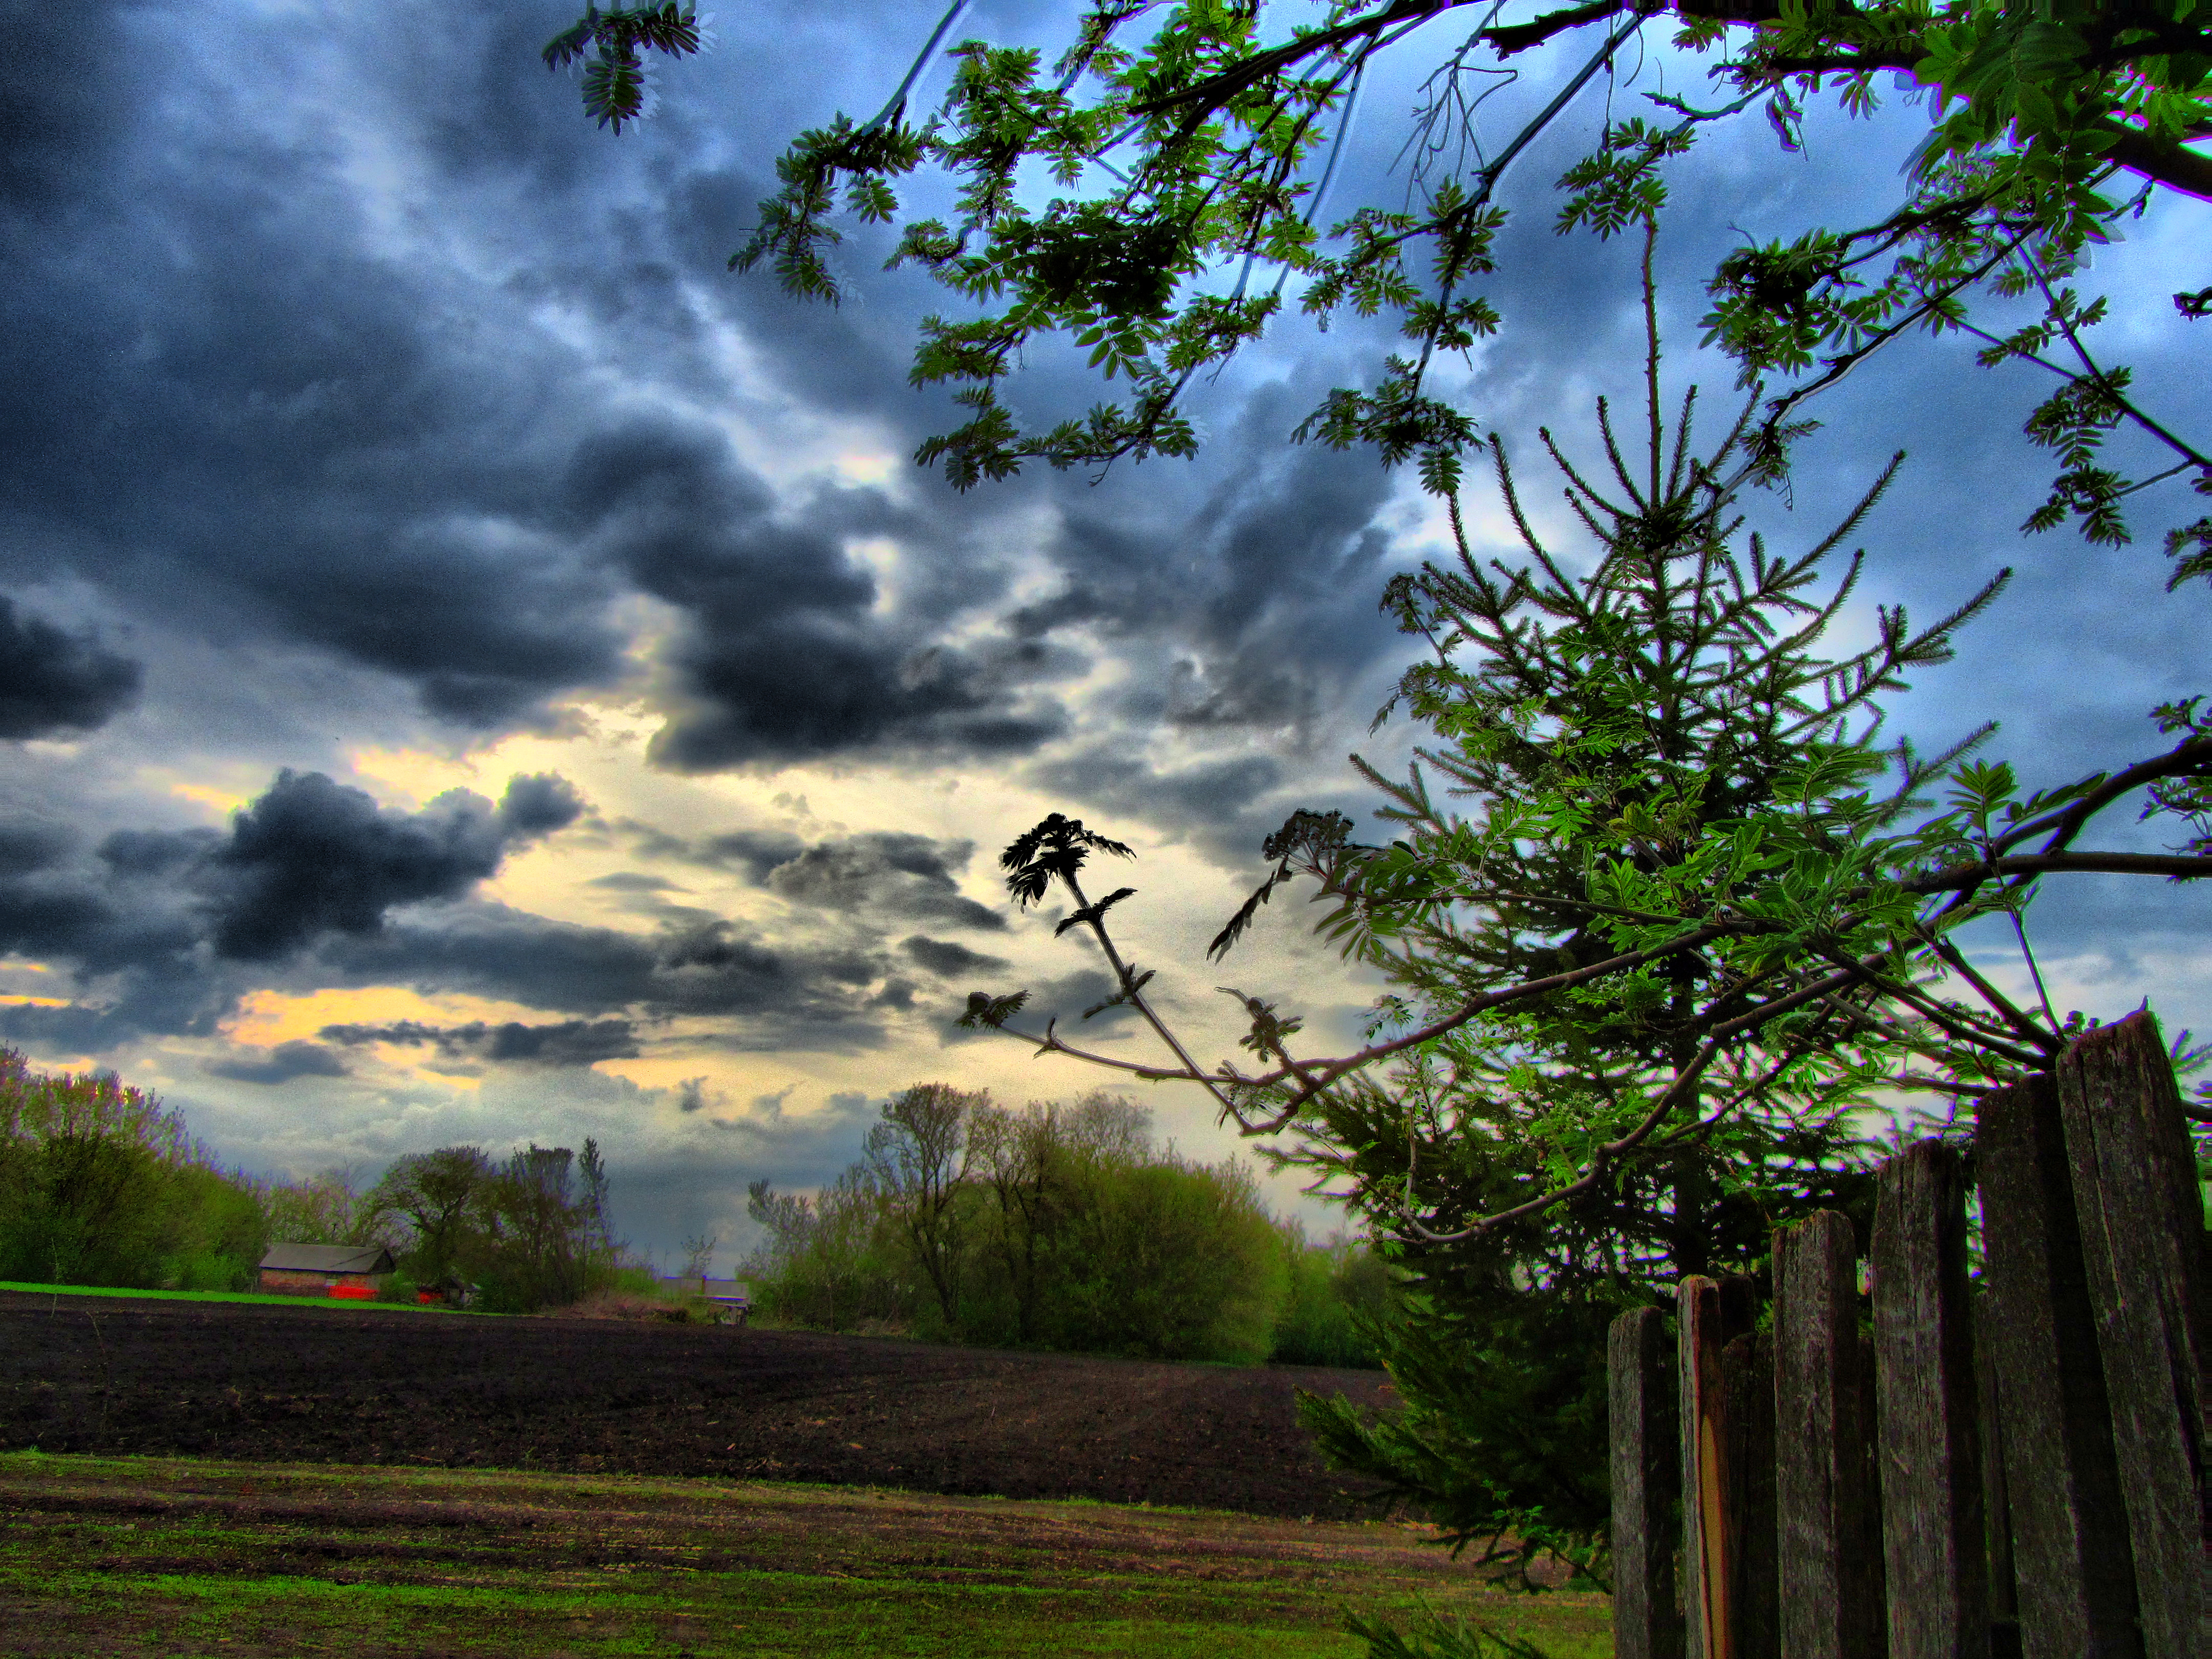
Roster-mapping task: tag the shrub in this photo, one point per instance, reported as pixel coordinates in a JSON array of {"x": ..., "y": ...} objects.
[
  {"x": 1338, "y": 1291},
  {"x": 207, "y": 1270},
  {"x": 1170, "y": 1261}
]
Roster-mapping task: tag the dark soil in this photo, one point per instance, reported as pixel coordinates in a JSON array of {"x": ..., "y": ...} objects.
[{"x": 322, "y": 1385}]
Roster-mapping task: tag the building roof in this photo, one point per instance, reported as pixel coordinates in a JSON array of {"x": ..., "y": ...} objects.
[{"x": 329, "y": 1259}]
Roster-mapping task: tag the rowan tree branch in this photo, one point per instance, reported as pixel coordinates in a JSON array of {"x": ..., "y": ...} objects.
[
  {"x": 1216, "y": 90},
  {"x": 2192, "y": 755},
  {"x": 2179, "y": 866},
  {"x": 2160, "y": 161},
  {"x": 2019, "y": 1020}
]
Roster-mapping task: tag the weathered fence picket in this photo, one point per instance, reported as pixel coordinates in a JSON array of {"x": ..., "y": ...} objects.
[
  {"x": 2015, "y": 1467},
  {"x": 2135, "y": 1187},
  {"x": 1747, "y": 1412},
  {"x": 2075, "y": 1574},
  {"x": 1928, "y": 1435},
  {"x": 1647, "y": 1480},
  {"x": 1989, "y": 1397},
  {"x": 1831, "y": 1609}
]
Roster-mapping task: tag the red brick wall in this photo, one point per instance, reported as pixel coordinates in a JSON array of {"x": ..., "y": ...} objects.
[
  {"x": 287, "y": 1282},
  {"x": 292, "y": 1282}
]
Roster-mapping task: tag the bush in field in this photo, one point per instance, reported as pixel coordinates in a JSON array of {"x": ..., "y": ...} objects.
[
  {"x": 916, "y": 1162},
  {"x": 1339, "y": 1297},
  {"x": 1169, "y": 1259},
  {"x": 221, "y": 1231},
  {"x": 1033, "y": 1174},
  {"x": 1059, "y": 1225},
  {"x": 85, "y": 1208},
  {"x": 530, "y": 1232}
]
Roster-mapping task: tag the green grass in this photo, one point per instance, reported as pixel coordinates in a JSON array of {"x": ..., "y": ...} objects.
[
  {"x": 102, "y": 1556},
  {"x": 221, "y": 1296}
]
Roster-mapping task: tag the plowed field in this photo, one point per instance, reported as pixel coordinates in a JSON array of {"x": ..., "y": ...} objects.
[{"x": 281, "y": 1384}]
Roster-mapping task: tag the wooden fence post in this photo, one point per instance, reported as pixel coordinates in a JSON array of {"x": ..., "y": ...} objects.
[
  {"x": 2073, "y": 1569},
  {"x": 1706, "y": 1579},
  {"x": 1754, "y": 1592},
  {"x": 1990, "y": 1398},
  {"x": 1647, "y": 1475},
  {"x": 1832, "y": 1609},
  {"x": 2142, "y": 1239},
  {"x": 1935, "y": 1549}
]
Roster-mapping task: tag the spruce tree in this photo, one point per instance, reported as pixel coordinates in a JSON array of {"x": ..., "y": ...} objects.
[{"x": 1634, "y": 700}]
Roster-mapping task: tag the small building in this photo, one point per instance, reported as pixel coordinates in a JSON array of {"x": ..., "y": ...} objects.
[
  {"x": 726, "y": 1297},
  {"x": 350, "y": 1272}
]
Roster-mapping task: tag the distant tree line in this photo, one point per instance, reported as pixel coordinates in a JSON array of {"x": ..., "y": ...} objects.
[
  {"x": 101, "y": 1184},
  {"x": 1060, "y": 1225}
]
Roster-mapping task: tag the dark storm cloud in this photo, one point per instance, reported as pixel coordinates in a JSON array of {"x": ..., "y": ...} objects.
[
  {"x": 895, "y": 875},
  {"x": 324, "y": 478},
  {"x": 947, "y": 959},
  {"x": 57, "y": 904},
  {"x": 786, "y": 658},
  {"x": 25, "y": 847},
  {"x": 312, "y": 857},
  {"x": 567, "y": 1042},
  {"x": 309, "y": 439},
  {"x": 57, "y": 126},
  {"x": 766, "y": 994},
  {"x": 756, "y": 852},
  {"x": 652, "y": 841},
  {"x": 1227, "y": 805},
  {"x": 236, "y": 419},
  {"x": 157, "y": 917},
  {"x": 491, "y": 951},
  {"x": 879, "y": 874},
  {"x": 52, "y": 682},
  {"x": 1258, "y": 568},
  {"x": 1247, "y": 588},
  {"x": 538, "y": 804},
  {"x": 280, "y": 1064},
  {"x": 887, "y": 874},
  {"x": 76, "y": 1028},
  {"x": 629, "y": 881},
  {"x": 752, "y": 853}
]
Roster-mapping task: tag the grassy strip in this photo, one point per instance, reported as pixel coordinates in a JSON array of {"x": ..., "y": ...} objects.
[
  {"x": 757, "y": 1616},
  {"x": 262, "y": 1297},
  {"x": 239, "y": 1559}
]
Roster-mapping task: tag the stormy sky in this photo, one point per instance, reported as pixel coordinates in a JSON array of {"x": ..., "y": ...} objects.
[{"x": 476, "y": 669}]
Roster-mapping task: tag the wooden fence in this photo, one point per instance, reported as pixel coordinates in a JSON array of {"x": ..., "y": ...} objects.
[{"x": 1973, "y": 1467}]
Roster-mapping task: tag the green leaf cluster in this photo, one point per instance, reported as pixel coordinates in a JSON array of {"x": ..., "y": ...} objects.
[{"x": 1191, "y": 146}]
